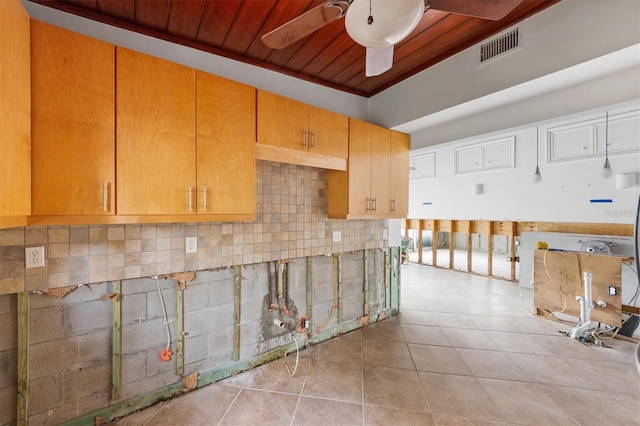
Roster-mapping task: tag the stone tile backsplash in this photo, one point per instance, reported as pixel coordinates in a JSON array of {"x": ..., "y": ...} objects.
[{"x": 291, "y": 222}]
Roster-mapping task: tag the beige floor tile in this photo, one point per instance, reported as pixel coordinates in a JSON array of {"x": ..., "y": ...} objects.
[
  {"x": 453, "y": 320},
  {"x": 340, "y": 349},
  {"x": 438, "y": 359},
  {"x": 275, "y": 377},
  {"x": 609, "y": 376},
  {"x": 424, "y": 335},
  {"x": 492, "y": 364},
  {"x": 333, "y": 380},
  {"x": 457, "y": 395},
  {"x": 525, "y": 403},
  {"x": 509, "y": 341},
  {"x": 416, "y": 317},
  {"x": 445, "y": 420},
  {"x": 589, "y": 407},
  {"x": 467, "y": 338},
  {"x": 385, "y": 416},
  {"x": 316, "y": 411},
  {"x": 389, "y": 354},
  {"x": 258, "y": 407},
  {"x": 550, "y": 369},
  {"x": 393, "y": 387},
  {"x": 387, "y": 330}
]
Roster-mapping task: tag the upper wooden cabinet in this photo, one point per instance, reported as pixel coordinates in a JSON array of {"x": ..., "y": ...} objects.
[
  {"x": 287, "y": 128},
  {"x": 375, "y": 184},
  {"x": 399, "y": 183},
  {"x": 226, "y": 162},
  {"x": 73, "y": 109},
  {"x": 156, "y": 136},
  {"x": 15, "y": 115}
]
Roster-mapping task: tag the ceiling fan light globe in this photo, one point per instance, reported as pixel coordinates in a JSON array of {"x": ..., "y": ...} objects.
[{"x": 393, "y": 20}]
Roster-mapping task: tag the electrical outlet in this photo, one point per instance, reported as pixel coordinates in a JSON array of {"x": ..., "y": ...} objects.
[
  {"x": 337, "y": 236},
  {"x": 191, "y": 245},
  {"x": 34, "y": 257},
  {"x": 385, "y": 234}
]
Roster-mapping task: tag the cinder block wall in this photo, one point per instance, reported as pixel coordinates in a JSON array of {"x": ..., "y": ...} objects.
[{"x": 70, "y": 341}]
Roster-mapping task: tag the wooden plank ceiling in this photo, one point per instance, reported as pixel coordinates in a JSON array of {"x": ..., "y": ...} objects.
[{"x": 232, "y": 28}]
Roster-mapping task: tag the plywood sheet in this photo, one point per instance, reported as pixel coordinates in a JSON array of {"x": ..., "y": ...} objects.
[{"x": 558, "y": 276}]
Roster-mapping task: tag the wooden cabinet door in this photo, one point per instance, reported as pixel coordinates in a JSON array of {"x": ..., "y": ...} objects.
[
  {"x": 380, "y": 169},
  {"x": 399, "y": 183},
  {"x": 329, "y": 133},
  {"x": 282, "y": 122},
  {"x": 359, "y": 167},
  {"x": 156, "y": 151},
  {"x": 73, "y": 108},
  {"x": 15, "y": 112},
  {"x": 226, "y": 117}
]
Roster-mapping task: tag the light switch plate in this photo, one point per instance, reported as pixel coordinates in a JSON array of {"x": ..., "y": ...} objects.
[{"x": 337, "y": 236}]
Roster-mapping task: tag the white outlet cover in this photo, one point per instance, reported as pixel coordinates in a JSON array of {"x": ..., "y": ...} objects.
[
  {"x": 191, "y": 245},
  {"x": 337, "y": 236},
  {"x": 34, "y": 257},
  {"x": 385, "y": 234}
]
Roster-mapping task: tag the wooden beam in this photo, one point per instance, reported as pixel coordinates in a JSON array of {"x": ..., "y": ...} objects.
[
  {"x": 512, "y": 244},
  {"x": 434, "y": 242},
  {"x": 116, "y": 341},
  {"x": 23, "y": 359},
  {"x": 180, "y": 330},
  {"x": 236, "y": 312},
  {"x": 490, "y": 250}
]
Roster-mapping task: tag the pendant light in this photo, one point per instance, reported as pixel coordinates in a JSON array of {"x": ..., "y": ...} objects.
[
  {"x": 537, "y": 177},
  {"x": 606, "y": 169}
]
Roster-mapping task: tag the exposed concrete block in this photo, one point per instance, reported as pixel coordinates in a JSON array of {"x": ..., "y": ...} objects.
[
  {"x": 46, "y": 324},
  {"x": 134, "y": 308},
  {"x": 66, "y": 354},
  {"x": 352, "y": 307},
  {"x": 8, "y": 303},
  {"x": 148, "y": 384},
  {"x": 196, "y": 297},
  {"x": 81, "y": 318},
  {"x": 323, "y": 293},
  {"x": 221, "y": 292},
  {"x": 208, "y": 320},
  {"x": 221, "y": 341},
  {"x": 142, "y": 336},
  {"x": 134, "y": 367},
  {"x": 155, "y": 365},
  {"x": 154, "y": 304},
  {"x": 210, "y": 363},
  {"x": 196, "y": 349},
  {"x": 8, "y": 331},
  {"x": 46, "y": 393},
  {"x": 144, "y": 285},
  {"x": 8, "y": 401},
  {"x": 352, "y": 286},
  {"x": 85, "y": 381},
  {"x": 8, "y": 368}
]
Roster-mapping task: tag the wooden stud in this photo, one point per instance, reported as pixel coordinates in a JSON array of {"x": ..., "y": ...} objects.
[
  {"x": 469, "y": 250},
  {"x": 434, "y": 242},
  {"x": 116, "y": 341},
  {"x": 236, "y": 312},
  {"x": 365, "y": 284},
  {"x": 23, "y": 359},
  {"x": 490, "y": 250},
  {"x": 512, "y": 243},
  {"x": 394, "y": 284},
  {"x": 340, "y": 290},
  {"x": 387, "y": 273},
  {"x": 310, "y": 291},
  {"x": 180, "y": 330},
  {"x": 452, "y": 248}
]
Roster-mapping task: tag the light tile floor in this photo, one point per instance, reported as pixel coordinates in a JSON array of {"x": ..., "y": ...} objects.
[{"x": 463, "y": 351}]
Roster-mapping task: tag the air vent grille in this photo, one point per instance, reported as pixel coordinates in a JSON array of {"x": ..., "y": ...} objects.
[{"x": 500, "y": 45}]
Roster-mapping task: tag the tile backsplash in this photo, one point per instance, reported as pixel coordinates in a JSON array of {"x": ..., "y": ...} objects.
[{"x": 291, "y": 222}]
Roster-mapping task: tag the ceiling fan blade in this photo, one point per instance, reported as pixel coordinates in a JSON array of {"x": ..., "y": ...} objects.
[
  {"x": 379, "y": 60},
  {"x": 493, "y": 10},
  {"x": 305, "y": 24}
]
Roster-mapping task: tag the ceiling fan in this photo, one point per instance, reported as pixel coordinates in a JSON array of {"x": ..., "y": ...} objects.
[{"x": 378, "y": 25}]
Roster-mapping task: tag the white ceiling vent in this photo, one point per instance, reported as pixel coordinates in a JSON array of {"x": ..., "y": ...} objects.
[{"x": 500, "y": 45}]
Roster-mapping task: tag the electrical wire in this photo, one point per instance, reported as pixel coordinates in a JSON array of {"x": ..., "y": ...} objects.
[
  {"x": 164, "y": 312},
  {"x": 297, "y": 356}
]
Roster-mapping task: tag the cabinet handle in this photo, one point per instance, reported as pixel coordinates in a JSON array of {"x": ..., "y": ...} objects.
[
  {"x": 393, "y": 205},
  {"x": 189, "y": 199},
  {"x": 368, "y": 204},
  {"x": 204, "y": 198},
  {"x": 305, "y": 139},
  {"x": 313, "y": 139},
  {"x": 105, "y": 196},
  {"x": 375, "y": 203}
]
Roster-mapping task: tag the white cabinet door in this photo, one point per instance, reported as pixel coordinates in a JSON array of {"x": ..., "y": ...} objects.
[
  {"x": 469, "y": 159},
  {"x": 624, "y": 133},
  {"x": 499, "y": 154},
  {"x": 570, "y": 142}
]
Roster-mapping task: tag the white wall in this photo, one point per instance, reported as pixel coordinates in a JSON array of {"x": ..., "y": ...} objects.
[{"x": 511, "y": 194}]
